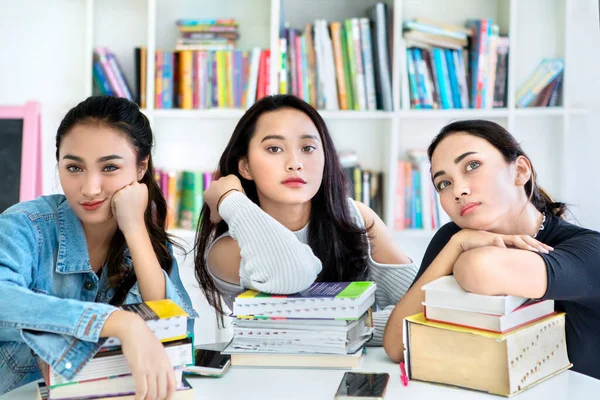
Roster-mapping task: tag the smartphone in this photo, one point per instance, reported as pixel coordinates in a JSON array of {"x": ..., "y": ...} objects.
[
  {"x": 209, "y": 363},
  {"x": 362, "y": 386}
]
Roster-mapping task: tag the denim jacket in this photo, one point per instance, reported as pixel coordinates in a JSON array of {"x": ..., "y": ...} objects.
[{"x": 53, "y": 304}]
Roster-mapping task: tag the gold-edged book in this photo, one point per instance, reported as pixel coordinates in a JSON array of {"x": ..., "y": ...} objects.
[{"x": 502, "y": 364}]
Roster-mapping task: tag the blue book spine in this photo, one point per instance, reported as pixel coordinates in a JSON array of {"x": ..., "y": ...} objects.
[
  {"x": 439, "y": 62},
  {"x": 414, "y": 91},
  {"x": 101, "y": 80},
  {"x": 168, "y": 79},
  {"x": 420, "y": 73},
  {"x": 454, "y": 88},
  {"x": 417, "y": 201}
]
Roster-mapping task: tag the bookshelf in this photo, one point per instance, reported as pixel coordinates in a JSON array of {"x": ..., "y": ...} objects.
[{"x": 194, "y": 139}]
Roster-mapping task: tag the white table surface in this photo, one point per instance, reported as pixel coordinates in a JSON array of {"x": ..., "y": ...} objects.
[{"x": 315, "y": 384}]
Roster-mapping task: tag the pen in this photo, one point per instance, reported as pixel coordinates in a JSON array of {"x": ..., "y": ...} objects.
[{"x": 403, "y": 376}]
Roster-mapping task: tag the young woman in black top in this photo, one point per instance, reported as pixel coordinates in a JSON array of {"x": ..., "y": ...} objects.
[{"x": 507, "y": 237}]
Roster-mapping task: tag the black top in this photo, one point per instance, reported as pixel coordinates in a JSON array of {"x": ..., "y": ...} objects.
[{"x": 573, "y": 269}]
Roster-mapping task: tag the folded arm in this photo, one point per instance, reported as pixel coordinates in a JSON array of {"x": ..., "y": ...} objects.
[{"x": 261, "y": 254}]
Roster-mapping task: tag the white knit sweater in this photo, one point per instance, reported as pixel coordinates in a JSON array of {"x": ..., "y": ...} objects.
[{"x": 277, "y": 260}]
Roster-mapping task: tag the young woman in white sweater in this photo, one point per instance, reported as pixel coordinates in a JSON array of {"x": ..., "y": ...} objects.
[{"x": 279, "y": 218}]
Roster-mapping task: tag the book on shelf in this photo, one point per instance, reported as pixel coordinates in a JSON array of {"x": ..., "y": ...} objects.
[
  {"x": 447, "y": 293},
  {"x": 165, "y": 319},
  {"x": 344, "y": 300},
  {"x": 184, "y": 391},
  {"x": 108, "y": 77},
  {"x": 530, "y": 311},
  {"x": 541, "y": 88},
  {"x": 501, "y": 364},
  {"x": 184, "y": 194},
  {"x": 363, "y": 184},
  {"x": 441, "y": 58},
  {"x": 417, "y": 203},
  {"x": 343, "y": 65}
]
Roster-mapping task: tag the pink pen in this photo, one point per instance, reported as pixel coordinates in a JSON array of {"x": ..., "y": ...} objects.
[{"x": 403, "y": 376}]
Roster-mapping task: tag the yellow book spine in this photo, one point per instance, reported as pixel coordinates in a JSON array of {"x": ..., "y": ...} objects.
[
  {"x": 229, "y": 69},
  {"x": 166, "y": 308},
  {"x": 221, "y": 84},
  {"x": 186, "y": 81}
]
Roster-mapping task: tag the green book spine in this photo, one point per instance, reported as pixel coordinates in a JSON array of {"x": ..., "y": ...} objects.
[
  {"x": 199, "y": 196},
  {"x": 351, "y": 61},
  {"x": 187, "y": 208}
]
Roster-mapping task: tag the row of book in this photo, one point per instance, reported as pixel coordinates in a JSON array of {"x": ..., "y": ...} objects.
[
  {"x": 184, "y": 193},
  {"x": 207, "y": 34},
  {"x": 107, "y": 374},
  {"x": 324, "y": 326},
  {"x": 339, "y": 66},
  {"x": 443, "y": 75},
  {"x": 364, "y": 185},
  {"x": 416, "y": 201},
  {"x": 188, "y": 79},
  {"x": 496, "y": 344}
]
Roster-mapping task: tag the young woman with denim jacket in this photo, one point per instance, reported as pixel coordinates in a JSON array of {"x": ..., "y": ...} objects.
[{"x": 67, "y": 261}]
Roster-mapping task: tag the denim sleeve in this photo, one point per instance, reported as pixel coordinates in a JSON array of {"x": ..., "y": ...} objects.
[
  {"x": 174, "y": 290},
  {"x": 49, "y": 325}
]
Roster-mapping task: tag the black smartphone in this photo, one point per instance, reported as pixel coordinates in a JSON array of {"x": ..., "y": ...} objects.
[
  {"x": 362, "y": 386},
  {"x": 209, "y": 363}
]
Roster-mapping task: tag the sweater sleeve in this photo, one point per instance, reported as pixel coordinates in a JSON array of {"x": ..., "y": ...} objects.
[{"x": 273, "y": 260}]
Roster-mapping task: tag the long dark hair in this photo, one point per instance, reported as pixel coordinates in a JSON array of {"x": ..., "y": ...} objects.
[
  {"x": 510, "y": 149},
  {"x": 332, "y": 235},
  {"x": 125, "y": 116}
]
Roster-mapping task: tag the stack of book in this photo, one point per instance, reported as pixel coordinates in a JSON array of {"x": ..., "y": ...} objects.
[
  {"x": 107, "y": 374},
  {"x": 207, "y": 34},
  {"x": 496, "y": 344},
  {"x": 325, "y": 326}
]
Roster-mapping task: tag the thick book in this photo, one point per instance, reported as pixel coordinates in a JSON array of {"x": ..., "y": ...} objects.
[
  {"x": 165, "y": 318},
  {"x": 112, "y": 363},
  {"x": 502, "y": 364},
  {"x": 342, "y": 300},
  {"x": 320, "y": 361},
  {"x": 100, "y": 387},
  {"x": 528, "y": 312},
  {"x": 445, "y": 292},
  {"x": 184, "y": 392}
]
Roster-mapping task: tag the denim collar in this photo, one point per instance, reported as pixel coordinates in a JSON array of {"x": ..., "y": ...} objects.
[{"x": 73, "y": 256}]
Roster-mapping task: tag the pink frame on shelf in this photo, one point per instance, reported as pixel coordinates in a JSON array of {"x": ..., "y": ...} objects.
[{"x": 31, "y": 149}]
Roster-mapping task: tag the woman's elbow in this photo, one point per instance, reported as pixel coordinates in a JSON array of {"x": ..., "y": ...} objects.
[
  {"x": 394, "y": 349},
  {"x": 471, "y": 271}
]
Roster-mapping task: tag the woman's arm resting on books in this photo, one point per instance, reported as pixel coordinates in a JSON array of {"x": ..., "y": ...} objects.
[
  {"x": 497, "y": 271},
  {"x": 412, "y": 301},
  {"x": 442, "y": 264},
  {"x": 150, "y": 366},
  {"x": 271, "y": 258}
]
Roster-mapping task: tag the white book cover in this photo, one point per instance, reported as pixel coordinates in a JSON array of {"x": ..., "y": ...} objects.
[
  {"x": 253, "y": 77},
  {"x": 529, "y": 312},
  {"x": 447, "y": 293}
]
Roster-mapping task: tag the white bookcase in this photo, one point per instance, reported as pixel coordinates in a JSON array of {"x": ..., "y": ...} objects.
[{"x": 194, "y": 139}]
